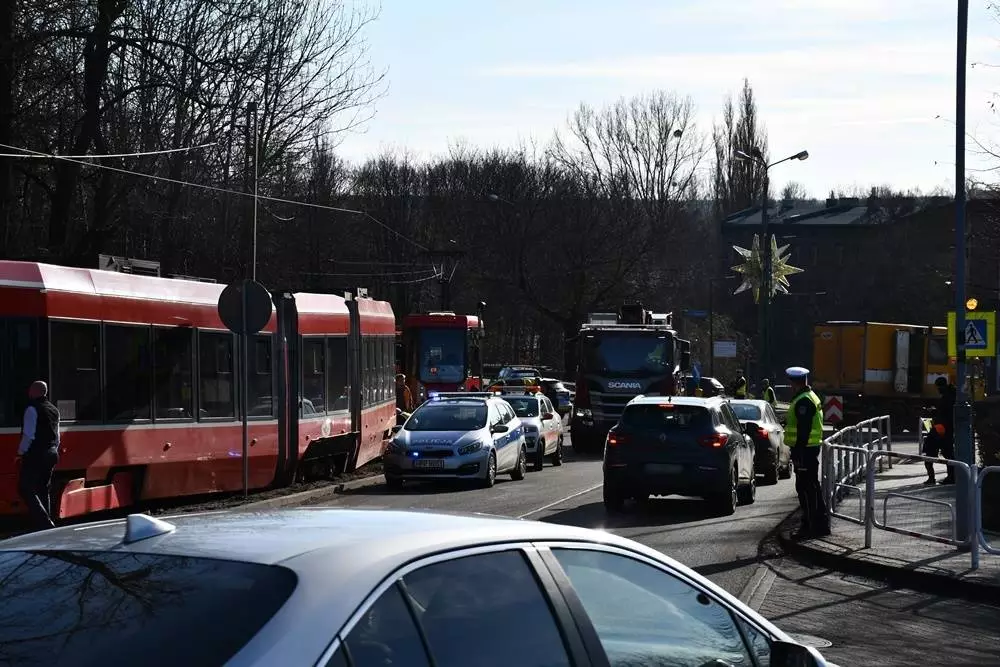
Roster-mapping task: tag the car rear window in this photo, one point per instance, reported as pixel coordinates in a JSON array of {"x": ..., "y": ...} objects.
[
  {"x": 523, "y": 407},
  {"x": 665, "y": 416},
  {"x": 746, "y": 411},
  {"x": 72, "y": 608}
]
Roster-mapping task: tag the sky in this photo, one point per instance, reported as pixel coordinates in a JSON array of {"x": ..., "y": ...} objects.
[{"x": 866, "y": 86}]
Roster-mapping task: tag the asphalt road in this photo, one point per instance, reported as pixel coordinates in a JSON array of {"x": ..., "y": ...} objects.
[{"x": 723, "y": 548}]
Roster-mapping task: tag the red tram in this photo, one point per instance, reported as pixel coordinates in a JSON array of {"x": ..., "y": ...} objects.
[
  {"x": 145, "y": 373},
  {"x": 442, "y": 352}
]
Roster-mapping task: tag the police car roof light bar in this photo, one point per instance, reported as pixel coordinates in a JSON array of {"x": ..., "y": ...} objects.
[{"x": 463, "y": 394}]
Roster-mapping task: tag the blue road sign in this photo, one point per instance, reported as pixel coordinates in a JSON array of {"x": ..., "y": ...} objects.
[{"x": 976, "y": 334}]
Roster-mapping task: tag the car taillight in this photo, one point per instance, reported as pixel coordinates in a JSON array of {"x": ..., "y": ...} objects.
[
  {"x": 763, "y": 432},
  {"x": 715, "y": 441},
  {"x": 616, "y": 439}
]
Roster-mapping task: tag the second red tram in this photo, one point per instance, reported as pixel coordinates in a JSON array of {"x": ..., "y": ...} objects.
[
  {"x": 144, "y": 374},
  {"x": 442, "y": 352}
]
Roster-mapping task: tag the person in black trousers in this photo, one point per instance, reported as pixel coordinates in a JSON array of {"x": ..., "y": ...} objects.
[
  {"x": 39, "y": 453},
  {"x": 941, "y": 438}
]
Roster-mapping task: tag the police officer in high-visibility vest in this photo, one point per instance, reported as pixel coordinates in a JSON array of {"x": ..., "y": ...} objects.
[
  {"x": 740, "y": 386},
  {"x": 804, "y": 436},
  {"x": 769, "y": 393}
]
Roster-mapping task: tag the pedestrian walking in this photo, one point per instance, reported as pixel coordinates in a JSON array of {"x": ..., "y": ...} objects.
[
  {"x": 804, "y": 436},
  {"x": 39, "y": 453},
  {"x": 940, "y": 440},
  {"x": 769, "y": 393}
]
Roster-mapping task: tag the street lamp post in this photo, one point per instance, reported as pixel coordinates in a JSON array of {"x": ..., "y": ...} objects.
[{"x": 765, "y": 287}]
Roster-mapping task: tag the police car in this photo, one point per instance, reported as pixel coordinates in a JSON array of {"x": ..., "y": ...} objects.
[
  {"x": 461, "y": 435},
  {"x": 543, "y": 426}
]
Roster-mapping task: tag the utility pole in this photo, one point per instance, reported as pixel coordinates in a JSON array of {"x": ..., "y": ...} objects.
[
  {"x": 445, "y": 262},
  {"x": 765, "y": 282},
  {"x": 964, "y": 442}
]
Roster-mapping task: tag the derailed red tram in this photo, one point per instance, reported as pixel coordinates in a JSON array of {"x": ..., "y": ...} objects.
[{"x": 145, "y": 376}]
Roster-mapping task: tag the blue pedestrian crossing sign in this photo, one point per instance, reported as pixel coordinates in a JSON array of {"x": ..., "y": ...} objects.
[{"x": 979, "y": 334}]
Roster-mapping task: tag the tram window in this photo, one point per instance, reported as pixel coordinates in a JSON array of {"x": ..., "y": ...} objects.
[
  {"x": 260, "y": 391},
  {"x": 338, "y": 388},
  {"x": 128, "y": 370},
  {"x": 370, "y": 371},
  {"x": 173, "y": 364},
  {"x": 215, "y": 374},
  {"x": 76, "y": 370},
  {"x": 390, "y": 367},
  {"x": 314, "y": 373},
  {"x": 20, "y": 365}
]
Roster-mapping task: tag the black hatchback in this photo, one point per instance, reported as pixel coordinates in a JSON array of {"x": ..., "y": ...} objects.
[{"x": 665, "y": 445}]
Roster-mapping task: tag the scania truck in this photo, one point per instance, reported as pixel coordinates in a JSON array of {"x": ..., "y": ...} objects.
[{"x": 622, "y": 355}]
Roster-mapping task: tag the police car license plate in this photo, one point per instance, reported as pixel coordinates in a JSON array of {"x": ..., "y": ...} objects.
[
  {"x": 428, "y": 463},
  {"x": 664, "y": 468}
]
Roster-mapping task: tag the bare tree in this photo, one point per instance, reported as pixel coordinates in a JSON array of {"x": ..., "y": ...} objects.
[
  {"x": 737, "y": 183},
  {"x": 793, "y": 191}
]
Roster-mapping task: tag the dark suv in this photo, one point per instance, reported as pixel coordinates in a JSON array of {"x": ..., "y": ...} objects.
[{"x": 682, "y": 445}]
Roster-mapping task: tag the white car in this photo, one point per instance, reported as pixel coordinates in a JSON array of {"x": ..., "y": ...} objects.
[
  {"x": 543, "y": 427},
  {"x": 461, "y": 435},
  {"x": 365, "y": 588}
]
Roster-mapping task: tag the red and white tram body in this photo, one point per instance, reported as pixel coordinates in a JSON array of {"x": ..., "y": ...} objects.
[{"x": 145, "y": 376}]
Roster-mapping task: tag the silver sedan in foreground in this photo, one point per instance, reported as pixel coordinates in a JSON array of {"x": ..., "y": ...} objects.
[{"x": 364, "y": 588}]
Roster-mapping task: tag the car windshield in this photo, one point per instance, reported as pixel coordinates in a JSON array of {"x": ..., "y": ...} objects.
[
  {"x": 521, "y": 373},
  {"x": 442, "y": 355},
  {"x": 665, "y": 417},
  {"x": 524, "y": 407},
  {"x": 628, "y": 354},
  {"x": 447, "y": 417},
  {"x": 746, "y": 411},
  {"x": 117, "y": 608}
]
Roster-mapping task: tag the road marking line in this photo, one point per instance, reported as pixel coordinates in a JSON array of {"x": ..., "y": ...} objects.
[
  {"x": 560, "y": 501},
  {"x": 756, "y": 590}
]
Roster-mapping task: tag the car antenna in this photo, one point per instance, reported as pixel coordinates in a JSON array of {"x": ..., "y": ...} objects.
[{"x": 142, "y": 526}]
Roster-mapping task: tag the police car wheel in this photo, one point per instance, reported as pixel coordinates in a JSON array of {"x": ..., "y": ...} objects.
[
  {"x": 491, "y": 472},
  {"x": 539, "y": 456},
  {"x": 557, "y": 456},
  {"x": 517, "y": 474}
]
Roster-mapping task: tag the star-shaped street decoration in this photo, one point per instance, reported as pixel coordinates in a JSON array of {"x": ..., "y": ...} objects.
[{"x": 752, "y": 269}]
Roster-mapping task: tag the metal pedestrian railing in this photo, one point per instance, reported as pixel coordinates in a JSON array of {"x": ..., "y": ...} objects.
[
  {"x": 977, "y": 508},
  {"x": 872, "y": 518},
  {"x": 845, "y": 462},
  {"x": 858, "y": 453}
]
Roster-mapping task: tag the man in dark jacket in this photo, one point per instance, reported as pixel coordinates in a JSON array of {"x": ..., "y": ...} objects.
[
  {"x": 39, "y": 453},
  {"x": 940, "y": 440}
]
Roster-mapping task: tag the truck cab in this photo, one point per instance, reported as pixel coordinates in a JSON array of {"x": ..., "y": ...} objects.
[{"x": 621, "y": 356}]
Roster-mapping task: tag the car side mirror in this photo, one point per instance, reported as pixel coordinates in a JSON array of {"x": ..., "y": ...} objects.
[
  {"x": 790, "y": 654},
  {"x": 548, "y": 415},
  {"x": 499, "y": 428},
  {"x": 396, "y": 428}
]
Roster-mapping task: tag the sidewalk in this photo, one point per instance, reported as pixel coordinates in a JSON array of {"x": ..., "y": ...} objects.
[{"x": 905, "y": 561}]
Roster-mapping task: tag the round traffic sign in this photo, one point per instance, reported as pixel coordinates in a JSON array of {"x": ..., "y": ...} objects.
[{"x": 258, "y": 306}]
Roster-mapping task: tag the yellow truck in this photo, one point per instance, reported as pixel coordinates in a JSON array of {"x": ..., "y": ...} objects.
[{"x": 866, "y": 369}]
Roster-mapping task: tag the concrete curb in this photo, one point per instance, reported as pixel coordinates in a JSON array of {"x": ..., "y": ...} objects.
[
  {"x": 896, "y": 576},
  {"x": 312, "y": 495}
]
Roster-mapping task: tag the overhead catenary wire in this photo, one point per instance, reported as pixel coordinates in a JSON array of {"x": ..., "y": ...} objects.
[
  {"x": 213, "y": 188},
  {"x": 57, "y": 156}
]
